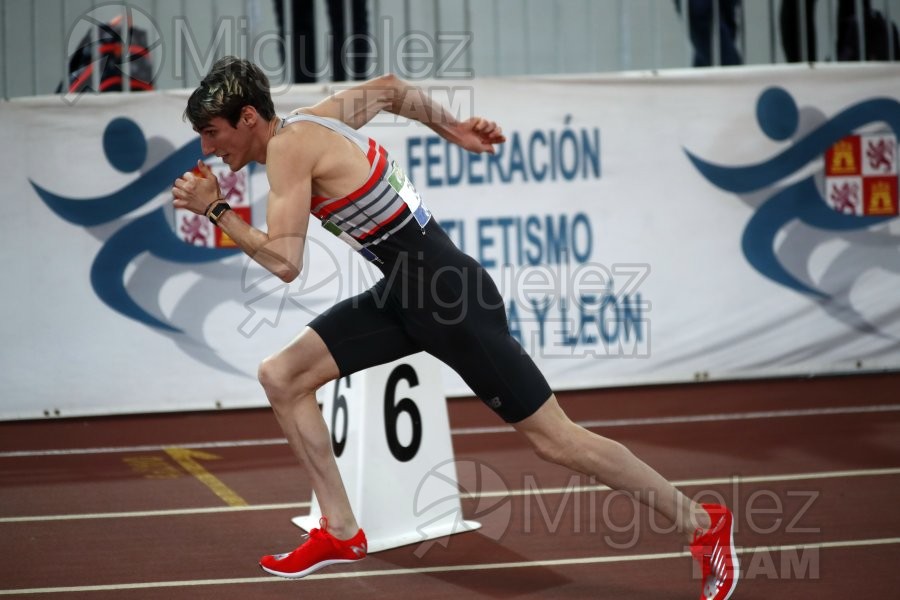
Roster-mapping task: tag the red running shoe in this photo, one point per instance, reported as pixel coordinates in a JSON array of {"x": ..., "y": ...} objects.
[
  {"x": 320, "y": 550},
  {"x": 714, "y": 550}
]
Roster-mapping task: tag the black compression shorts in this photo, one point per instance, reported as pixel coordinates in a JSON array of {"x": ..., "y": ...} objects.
[{"x": 435, "y": 298}]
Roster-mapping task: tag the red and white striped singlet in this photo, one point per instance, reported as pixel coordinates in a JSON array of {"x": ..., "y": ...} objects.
[{"x": 381, "y": 206}]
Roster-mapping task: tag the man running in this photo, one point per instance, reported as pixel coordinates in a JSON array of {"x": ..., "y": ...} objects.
[{"x": 433, "y": 297}]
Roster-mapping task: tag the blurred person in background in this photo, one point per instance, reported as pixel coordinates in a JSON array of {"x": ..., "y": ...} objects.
[
  {"x": 798, "y": 21},
  {"x": 350, "y": 49},
  {"x": 701, "y": 14}
]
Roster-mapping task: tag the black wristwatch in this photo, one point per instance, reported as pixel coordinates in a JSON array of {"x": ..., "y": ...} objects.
[{"x": 217, "y": 211}]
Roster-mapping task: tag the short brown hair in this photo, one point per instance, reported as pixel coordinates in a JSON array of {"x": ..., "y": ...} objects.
[{"x": 231, "y": 84}]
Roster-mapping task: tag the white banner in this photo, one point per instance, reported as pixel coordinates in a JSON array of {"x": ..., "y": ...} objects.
[{"x": 642, "y": 228}]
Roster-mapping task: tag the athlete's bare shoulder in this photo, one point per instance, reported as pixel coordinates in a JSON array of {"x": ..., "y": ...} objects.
[
  {"x": 293, "y": 148},
  {"x": 334, "y": 163},
  {"x": 298, "y": 137}
]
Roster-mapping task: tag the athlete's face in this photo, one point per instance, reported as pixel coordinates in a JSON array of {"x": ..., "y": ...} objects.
[{"x": 232, "y": 144}]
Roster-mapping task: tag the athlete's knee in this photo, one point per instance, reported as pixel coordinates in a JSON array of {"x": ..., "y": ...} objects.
[
  {"x": 577, "y": 445},
  {"x": 554, "y": 449},
  {"x": 282, "y": 381},
  {"x": 547, "y": 450},
  {"x": 270, "y": 377},
  {"x": 550, "y": 432}
]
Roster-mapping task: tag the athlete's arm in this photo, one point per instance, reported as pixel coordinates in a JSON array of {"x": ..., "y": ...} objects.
[
  {"x": 280, "y": 249},
  {"x": 359, "y": 104}
]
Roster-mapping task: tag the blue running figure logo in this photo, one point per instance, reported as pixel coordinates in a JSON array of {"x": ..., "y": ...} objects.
[
  {"x": 126, "y": 149},
  {"x": 780, "y": 210}
]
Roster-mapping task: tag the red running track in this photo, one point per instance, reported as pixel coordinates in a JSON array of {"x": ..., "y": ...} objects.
[{"x": 811, "y": 467}]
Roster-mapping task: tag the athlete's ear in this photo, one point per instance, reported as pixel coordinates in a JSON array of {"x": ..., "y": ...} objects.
[{"x": 249, "y": 115}]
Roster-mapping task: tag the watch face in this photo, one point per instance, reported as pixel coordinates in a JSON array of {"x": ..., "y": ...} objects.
[{"x": 217, "y": 211}]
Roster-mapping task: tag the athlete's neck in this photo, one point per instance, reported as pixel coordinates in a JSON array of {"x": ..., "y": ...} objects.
[{"x": 274, "y": 126}]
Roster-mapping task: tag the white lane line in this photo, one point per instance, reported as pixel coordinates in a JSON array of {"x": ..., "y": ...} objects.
[
  {"x": 707, "y": 418},
  {"x": 154, "y": 513},
  {"x": 145, "y": 448},
  {"x": 590, "y": 560},
  {"x": 735, "y": 480}
]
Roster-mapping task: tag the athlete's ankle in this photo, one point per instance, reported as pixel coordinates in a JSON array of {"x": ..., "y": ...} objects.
[
  {"x": 343, "y": 531},
  {"x": 698, "y": 521}
]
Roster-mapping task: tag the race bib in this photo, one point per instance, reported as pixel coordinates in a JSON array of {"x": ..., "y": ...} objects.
[{"x": 404, "y": 188}]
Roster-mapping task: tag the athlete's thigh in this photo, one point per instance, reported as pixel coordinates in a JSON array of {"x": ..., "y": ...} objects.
[
  {"x": 307, "y": 355},
  {"x": 363, "y": 331},
  {"x": 471, "y": 335}
]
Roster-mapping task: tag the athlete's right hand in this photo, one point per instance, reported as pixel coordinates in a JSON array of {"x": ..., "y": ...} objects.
[{"x": 196, "y": 190}]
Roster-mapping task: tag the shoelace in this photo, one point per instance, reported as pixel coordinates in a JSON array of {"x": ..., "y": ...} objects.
[
  {"x": 318, "y": 534},
  {"x": 322, "y": 532}
]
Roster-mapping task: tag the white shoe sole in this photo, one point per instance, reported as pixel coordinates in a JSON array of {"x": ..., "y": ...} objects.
[
  {"x": 735, "y": 563},
  {"x": 311, "y": 569}
]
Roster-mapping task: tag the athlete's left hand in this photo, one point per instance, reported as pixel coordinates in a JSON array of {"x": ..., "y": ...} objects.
[
  {"x": 196, "y": 190},
  {"x": 479, "y": 135}
]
